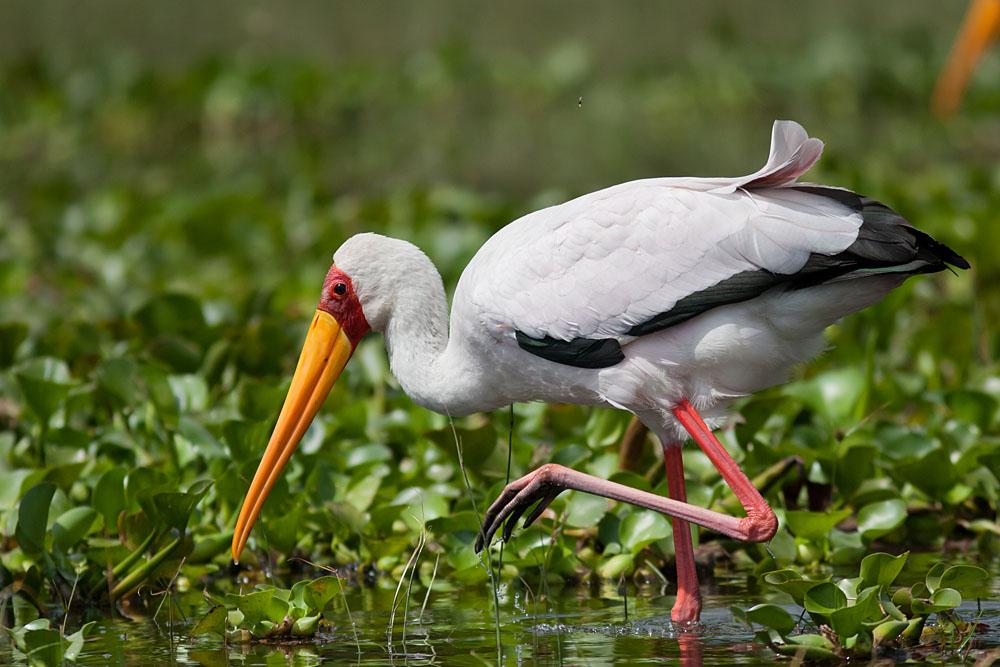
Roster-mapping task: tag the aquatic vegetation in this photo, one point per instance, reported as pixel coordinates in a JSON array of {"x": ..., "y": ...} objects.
[
  {"x": 162, "y": 231},
  {"x": 865, "y": 617}
]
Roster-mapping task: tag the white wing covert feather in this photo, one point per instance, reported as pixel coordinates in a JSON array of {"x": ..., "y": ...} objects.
[{"x": 598, "y": 265}]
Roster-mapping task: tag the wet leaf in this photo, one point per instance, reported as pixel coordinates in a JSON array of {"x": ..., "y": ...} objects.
[{"x": 771, "y": 616}]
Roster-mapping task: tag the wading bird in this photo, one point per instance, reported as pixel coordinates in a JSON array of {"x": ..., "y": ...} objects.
[{"x": 666, "y": 297}]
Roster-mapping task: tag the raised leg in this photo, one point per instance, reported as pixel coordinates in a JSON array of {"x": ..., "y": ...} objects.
[
  {"x": 544, "y": 484},
  {"x": 687, "y": 607}
]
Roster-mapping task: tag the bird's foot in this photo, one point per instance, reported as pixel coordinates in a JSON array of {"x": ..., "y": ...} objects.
[
  {"x": 541, "y": 486},
  {"x": 687, "y": 607}
]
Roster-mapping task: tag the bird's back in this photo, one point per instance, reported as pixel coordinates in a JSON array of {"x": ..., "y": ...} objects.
[{"x": 579, "y": 283}]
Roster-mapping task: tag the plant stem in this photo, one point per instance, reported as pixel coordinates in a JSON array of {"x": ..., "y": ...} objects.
[{"x": 138, "y": 576}]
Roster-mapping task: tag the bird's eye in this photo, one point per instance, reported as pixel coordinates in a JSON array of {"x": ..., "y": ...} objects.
[{"x": 340, "y": 289}]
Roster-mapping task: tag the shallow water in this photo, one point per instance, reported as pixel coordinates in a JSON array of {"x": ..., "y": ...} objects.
[{"x": 569, "y": 625}]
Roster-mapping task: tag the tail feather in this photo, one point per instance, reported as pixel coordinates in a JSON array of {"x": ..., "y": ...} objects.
[{"x": 886, "y": 243}]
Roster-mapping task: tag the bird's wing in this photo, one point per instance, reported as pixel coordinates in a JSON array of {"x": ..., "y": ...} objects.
[{"x": 616, "y": 263}]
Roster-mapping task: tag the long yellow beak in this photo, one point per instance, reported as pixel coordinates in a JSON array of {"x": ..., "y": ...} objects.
[
  {"x": 979, "y": 30},
  {"x": 324, "y": 355}
]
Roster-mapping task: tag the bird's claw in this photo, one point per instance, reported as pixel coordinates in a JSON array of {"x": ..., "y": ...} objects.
[{"x": 541, "y": 486}]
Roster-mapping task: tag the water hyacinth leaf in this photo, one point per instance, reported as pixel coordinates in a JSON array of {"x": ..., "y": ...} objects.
[
  {"x": 71, "y": 527},
  {"x": 616, "y": 566},
  {"x": 824, "y": 599},
  {"x": 934, "y": 473},
  {"x": 771, "y": 616},
  {"x": 792, "y": 583},
  {"x": 109, "y": 496},
  {"x": 32, "y": 518},
  {"x": 889, "y": 605},
  {"x": 306, "y": 626},
  {"x": 808, "y": 647},
  {"x": 642, "y": 528},
  {"x": 605, "y": 427},
  {"x": 848, "y": 621},
  {"x": 260, "y": 606},
  {"x": 970, "y": 581},
  {"x": 584, "y": 510},
  {"x": 120, "y": 378},
  {"x": 74, "y": 642},
  {"x": 814, "y": 525},
  {"x": 10, "y": 486},
  {"x": 213, "y": 622},
  {"x": 888, "y": 631},
  {"x": 477, "y": 444},
  {"x": 43, "y": 646},
  {"x": 900, "y": 445},
  {"x": 320, "y": 592},
  {"x": 941, "y": 600},
  {"x": 881, "y": 569},
  {"x": 973, "y": 406},
  {"x": 833, "y": 394},
  {"x": 12, "y": 334},
  {"x": 933, "y": 577},
  {"x": 881, "y": 518},
  {"x": 45, "y": 383}
]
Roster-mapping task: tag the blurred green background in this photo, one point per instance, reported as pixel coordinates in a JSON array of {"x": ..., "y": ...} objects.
[{"x": 174, "y": 178}]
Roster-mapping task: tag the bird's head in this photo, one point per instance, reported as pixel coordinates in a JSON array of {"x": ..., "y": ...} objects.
[{"x": 357, "y": 297}]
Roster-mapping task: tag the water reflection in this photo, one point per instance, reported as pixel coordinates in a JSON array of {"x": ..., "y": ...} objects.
[{"x": 572, "y": 626}]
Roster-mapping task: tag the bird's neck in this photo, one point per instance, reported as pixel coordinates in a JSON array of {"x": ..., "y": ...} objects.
[{"x": 434, "y": 370}]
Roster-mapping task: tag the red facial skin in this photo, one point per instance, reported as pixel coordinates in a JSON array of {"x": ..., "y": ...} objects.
[{"x": 345, "y": 308}]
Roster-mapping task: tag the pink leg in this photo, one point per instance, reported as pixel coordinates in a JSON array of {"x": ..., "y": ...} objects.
[
  {"x": 687, "y": 607},
  {"x": 760, "y": 523},
  {"x": 544, "y": 484}
]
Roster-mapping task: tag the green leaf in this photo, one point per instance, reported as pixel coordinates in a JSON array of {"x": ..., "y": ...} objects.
[
  {"x": 616, "y": 566},
  {"x": 888, "y": 631},
  {"x": 43, "y": 647},
  {"x": 972, "y": 406},
  {"x": 71, "y": 527},
  {"x": 109, "y": 496},
  {"x": 32, "y": 518},
  {"x": 833, "y": 394},
  {"x": 605, "y": 427},
  {"x": 642, "y": 528},
  {"x": 213, "y": 622},
  {"x": 814, "y": 525},
  {"x": 824, "y": 599},
  {"x": 969, "y": 580},
  {"x": 881, "y": 569},
  {"x": 45, "y": 383},
  {"x": 792, "y": 583},
  {"x": 306, "y": 626},
  {"x": 941, "y": 600},
  {"x": 881, "y": 518},
  {"x": 809, "y": 647},
  {"x": 584, "y": 510},
  {"x": 320, "y": 592},
  {"x": 12, "y": 334},
  {"x": 74, "y": 642},
  {"x": 261, "y": 606},
  {"x": 848, "y": 621},
  {"x": 771, "y": 616}
]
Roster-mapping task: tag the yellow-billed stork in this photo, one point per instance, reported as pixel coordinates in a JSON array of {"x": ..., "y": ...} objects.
[{"x": 665, "y": 297}]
